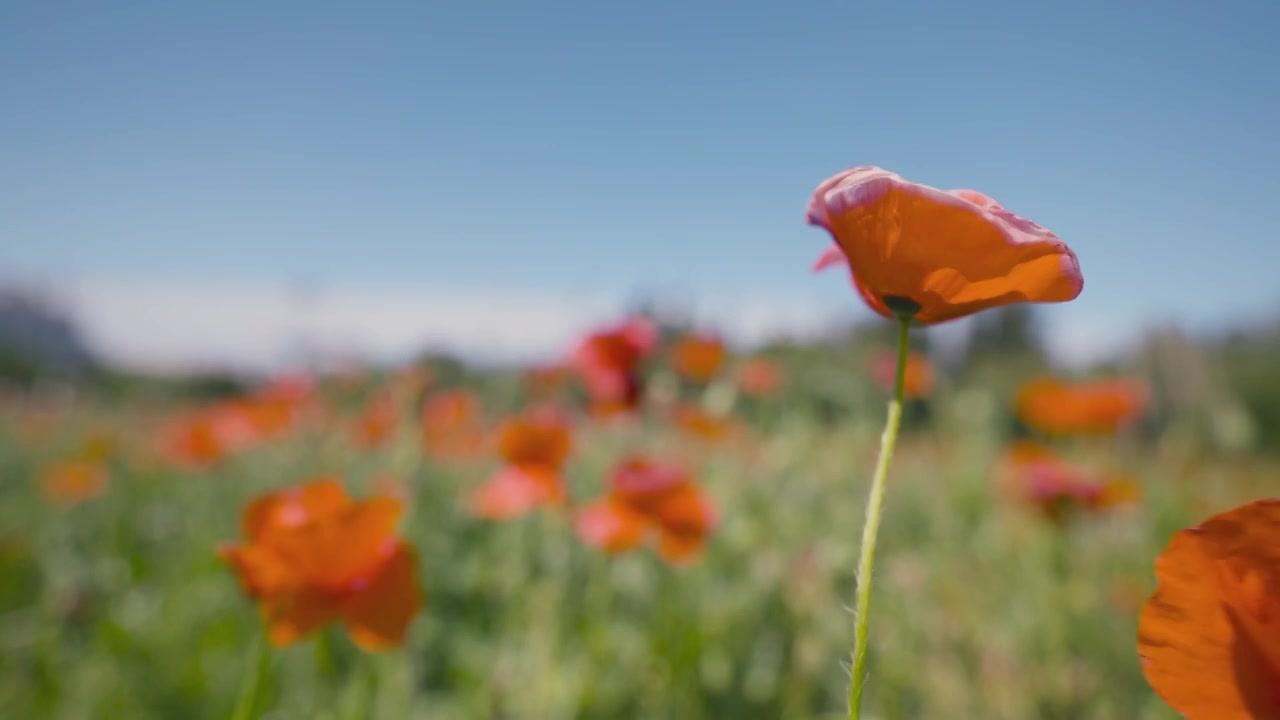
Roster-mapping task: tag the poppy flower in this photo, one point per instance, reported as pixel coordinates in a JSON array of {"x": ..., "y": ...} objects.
[
  {"x": 697, "y": 357},
  {"x": 547, "y": 380},
  {"x": 205, "y": 436},
  {"x": 71, "y": 483},
  {"x": 314, "y": 556},
  {"x": 1209, "y": 637},
  {"x": 759, "y": 377},
  {"x": 608, "y": 362},
  {"x": 917, "y": 380},
  {"x": 645, "y": 499},
  {"x": 701, "y": 424},
  {"x": 1042, "y": 479},
  {"x": 937, "y": 255},
  {"x": 451, "y": 425},
  {"x": 534, "y": 447},
  {"x": 377, "y": 422},
  {"x": 1097, "y": 407}
]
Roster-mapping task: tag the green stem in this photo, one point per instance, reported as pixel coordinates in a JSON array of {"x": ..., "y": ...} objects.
[
  {"x": 875, "y": 505},
  {"x": 246, "y": 706}
]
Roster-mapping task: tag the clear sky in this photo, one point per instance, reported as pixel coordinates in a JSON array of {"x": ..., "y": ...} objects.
[{"x": 594, "y": 150}]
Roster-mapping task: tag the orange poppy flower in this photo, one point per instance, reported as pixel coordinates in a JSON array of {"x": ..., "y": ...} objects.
[
  {"x": 702, "y": 424},
  {"x": 377, "y": 422},
  {"x": 608, "y": 362},
  {"x": 1057, "y": 489},
  {"x": 1096, "y": 407},
  {"x": 698, "y": 356},
  {"x": 937, "y": 255},
  {"x": 315, "y": 556},
  {"x": 451, "y": 425},
  {"x": 71, "y": 483},
  {"x": 759, "y": 377},
  {"x": 917, "y": 381},
  {"x": 534, "y": 447},
  {"x": 547, "y": 380},
  {"x": 206, "y": 436},
  {"x": 647, "y": 498},
  {"x": 1209, "y": 637}
]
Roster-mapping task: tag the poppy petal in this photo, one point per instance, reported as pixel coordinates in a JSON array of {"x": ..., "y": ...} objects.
[
  {"x": 378, "y": 615},
  {"x": 610, "y": 526},
  {"x": 1209, "y": 637},
  {"x": 514, "y": 491},
  {"x": 291, "y": 616},
  {"x": 942, "y": 252}
]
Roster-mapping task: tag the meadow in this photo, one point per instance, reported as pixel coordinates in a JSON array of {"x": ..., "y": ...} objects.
[{"x": 114, "y": 601}]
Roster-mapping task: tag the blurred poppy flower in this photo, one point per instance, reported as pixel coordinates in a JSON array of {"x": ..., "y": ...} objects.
[
  {"x": 315, "y": 556},
  {"x": 936, "y": 255},
  {"x": 451, "y": 425},
  {"x": 534, "y": 447},
  {"x": 1058, "y": 489},
  {"x": 376, "y": 423},
  {"x": 759, "y": 377},
  {"x": 917, "y": 381},
  {"x": 547, "y": 380},
  {"x": 71, "y": 483},
  {"x": 608, "y": 362},
  {"x": 205, "y": 436},
  {"x": 647, "y": 498},
  {"x": 702, "y": 424},
  {"x": 1209, "y": 637},
  {"x": 697, "y": 357},
  {"x": 1096, "y": 407}
]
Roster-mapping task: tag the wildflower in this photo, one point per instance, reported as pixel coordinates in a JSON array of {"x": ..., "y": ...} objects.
[
  {"x": 702, "y": 424},
  {"x": 759, "y": 377},
  {"x": 451, "y": 425},
  {"x": 937, "y": 255},
  {"x": 1097, "y": 407},
  {"x": 534, "y": 447},
  {"x": 1209, "y": 637},
  {"x": 646, "y": 498},
  {"x": 73, "y": 482},
  {"x": 315, "y": 556},
  {"x": 917, "y": 381},
  {"x": 377, "y": 422},
  {"x": 697, "y": 357},
  {"x": 608, "y": 362},
  {"x": 1057, "y": 489}
]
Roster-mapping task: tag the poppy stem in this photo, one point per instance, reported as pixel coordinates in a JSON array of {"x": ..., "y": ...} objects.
[
  {"x": 246, "y": 706},
  {"x": 875, "y": 505}
]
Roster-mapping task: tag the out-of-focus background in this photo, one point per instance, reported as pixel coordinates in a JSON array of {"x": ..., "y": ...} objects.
[{"x": 371, "y": 210}]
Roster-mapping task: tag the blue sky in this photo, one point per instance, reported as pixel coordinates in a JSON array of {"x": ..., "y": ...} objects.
[{"x": 599, "y": 149}]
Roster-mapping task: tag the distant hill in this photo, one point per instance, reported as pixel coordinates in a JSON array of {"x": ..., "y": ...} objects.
[{"x": 36, "y": 338}]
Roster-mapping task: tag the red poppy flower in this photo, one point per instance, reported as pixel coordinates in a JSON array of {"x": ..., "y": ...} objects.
[
  {"x": 759, "y": 377},
  {"x": 608, "y": 362},
  {"x": 1058, "y": 489},
  {"x": 1096, "y": 407},
  {"x": 534, "y": 447},
  {"x": 646, "y": 498},
  {"x": 451, "y": 425},
  {"x": 316, "y": 556},
  {"x": 937, "y": 255},
  {"x": 1209, "y": 637},
  {"x": 697, "y": 357},
  {"x": 917, "y": 381}
]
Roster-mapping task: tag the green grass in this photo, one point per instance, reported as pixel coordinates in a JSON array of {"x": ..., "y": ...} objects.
[{"x": 118, "y": 608}]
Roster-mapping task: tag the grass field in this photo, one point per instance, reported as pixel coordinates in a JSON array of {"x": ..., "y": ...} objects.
[{"x": 119, "y": 607}]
